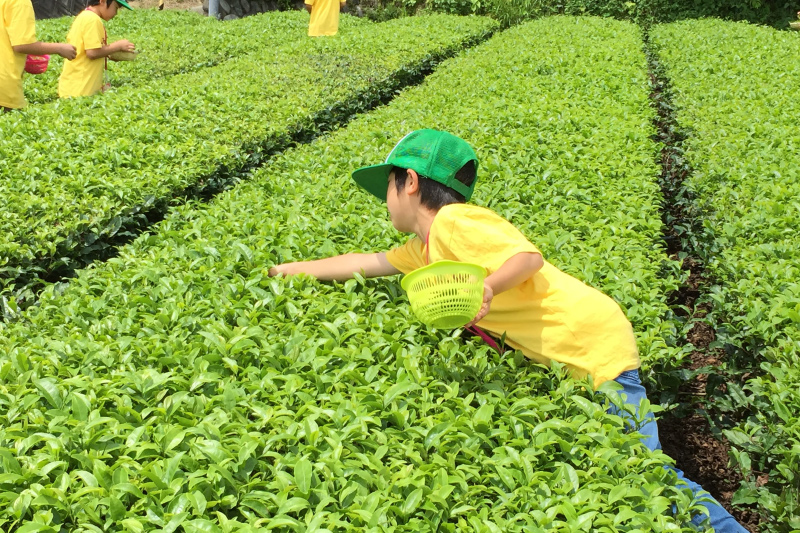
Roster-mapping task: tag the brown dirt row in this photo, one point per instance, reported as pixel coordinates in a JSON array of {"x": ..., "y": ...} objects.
[
  {"x": 702, "y": 456},
  {"x": 689, "y": 439}
]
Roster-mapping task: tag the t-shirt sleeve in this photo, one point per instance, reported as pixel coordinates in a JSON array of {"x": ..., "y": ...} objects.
[
  {"x": 407, "y": 257},
  {"x": 483, "y": 238},
  {"x": 22, "y": 29},
  {"x": 94, "y": 35},
  {"x": 309, "y": 2}
]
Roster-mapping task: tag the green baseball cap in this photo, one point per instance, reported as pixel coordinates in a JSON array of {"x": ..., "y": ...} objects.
[
  {"x": 433, "y": 154},
  {"x": 124, "y": 4}
]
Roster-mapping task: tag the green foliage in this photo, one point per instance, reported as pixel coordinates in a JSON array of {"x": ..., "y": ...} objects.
[
  {"x": 454, "y": 7},
  {"x": 173, "y": 42},
  {"x": 383, "y": 10},
  {"x": 645, "y": 12},
  {"x": 773, "y": 12},
  {"x": 106, "y": 161},
  {"x": 178, "y": 384},
  {"x": 738, "y": 100},
  {"x": 286, "y": 5}
]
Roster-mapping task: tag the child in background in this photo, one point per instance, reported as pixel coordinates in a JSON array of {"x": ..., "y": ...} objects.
[
  {"x": 545, "y": 313},
  {"x": 324, "y": 16},
  {"x": 84, "y": 75},
  {"x": 17, "y": 40}
]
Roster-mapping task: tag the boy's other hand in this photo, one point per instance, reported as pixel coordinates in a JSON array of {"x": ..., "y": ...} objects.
[
  {"x": 488, "y": 295},
  {"x": 124, "y": 46},
  {"x": 67, "y": 51},
  {"x": 277, "y": 269}
]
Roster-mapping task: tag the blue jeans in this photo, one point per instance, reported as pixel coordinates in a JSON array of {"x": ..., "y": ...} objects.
[{"x": 633, "y": 393}]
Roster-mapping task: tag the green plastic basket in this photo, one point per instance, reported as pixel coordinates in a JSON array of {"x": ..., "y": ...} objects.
[{"x": 445, "y": 294}]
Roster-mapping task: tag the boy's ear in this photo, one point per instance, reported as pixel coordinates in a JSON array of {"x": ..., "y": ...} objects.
[{"x": 412, "y": 182}]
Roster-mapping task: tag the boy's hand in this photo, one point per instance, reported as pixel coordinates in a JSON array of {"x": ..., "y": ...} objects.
[
  {"x": 67, "y": 51},
  {"x": 124, "y": 46},
  {"x": 488, "y": 295},
  {"x": 277, "y": 269}
]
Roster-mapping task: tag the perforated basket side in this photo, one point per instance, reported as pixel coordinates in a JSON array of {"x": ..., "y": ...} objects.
[{"x": 446, "y": 300}]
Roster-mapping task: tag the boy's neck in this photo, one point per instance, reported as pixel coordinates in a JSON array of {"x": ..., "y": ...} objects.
[{"x": 424, "y": 222}]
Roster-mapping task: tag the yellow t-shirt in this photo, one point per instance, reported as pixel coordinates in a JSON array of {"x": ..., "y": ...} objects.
[
  {"x": 17, "y": 26},
  {"x": 324, "y": 17},
  {"x": 83, "y": 76},
  {"x": 550, "y": 316}
]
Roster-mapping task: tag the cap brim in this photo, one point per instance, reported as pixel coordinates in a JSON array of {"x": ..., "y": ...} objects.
[
  {"x": 124, "y": 4},
  {"x": 374, "y": 179}
]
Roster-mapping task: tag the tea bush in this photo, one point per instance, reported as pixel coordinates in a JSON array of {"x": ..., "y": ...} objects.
[
  {"x": 737, "y": 100},
  {"x": 177, "y": 385},
  {"x": 78, "y": 172}
]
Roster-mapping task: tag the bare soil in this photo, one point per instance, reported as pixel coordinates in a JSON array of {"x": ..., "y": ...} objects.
[
  {"x": 704, "y": 460},
  {"x": 703, "y": 457},
  {"x": 687, "y": 437}
]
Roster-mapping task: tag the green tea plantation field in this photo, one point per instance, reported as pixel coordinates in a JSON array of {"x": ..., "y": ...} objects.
[
  {"x": 155, "y": 378},
  {"x": 188, "y": 132}
]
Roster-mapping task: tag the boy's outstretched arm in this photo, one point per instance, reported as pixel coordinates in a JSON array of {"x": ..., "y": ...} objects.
[
  {"x": 339, "y": 267},
  {"x": 513, "y": 272},
  {"x": 65, "y": 50}
]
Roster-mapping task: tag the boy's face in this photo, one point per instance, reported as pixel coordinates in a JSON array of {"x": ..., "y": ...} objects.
[
  {"x": 108, "y": 10},
  {"x": 394, "y": 201}
]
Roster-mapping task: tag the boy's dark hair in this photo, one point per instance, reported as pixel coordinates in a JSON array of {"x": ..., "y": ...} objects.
[{"x": 435, "y": 195}]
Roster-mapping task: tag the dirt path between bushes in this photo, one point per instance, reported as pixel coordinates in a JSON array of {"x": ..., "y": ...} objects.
[
  {"x": 702, "y": 456},
  {"x": 685, "y": 433}
]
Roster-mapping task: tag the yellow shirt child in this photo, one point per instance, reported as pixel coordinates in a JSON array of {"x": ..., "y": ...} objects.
[
  {"x": 17, "y": 40},
  {"x": 545, "y": 313},
  {"x": 324, "y": 16},
  {"x": 549, "y": 316},
  {"x": 84, "y": 75}
]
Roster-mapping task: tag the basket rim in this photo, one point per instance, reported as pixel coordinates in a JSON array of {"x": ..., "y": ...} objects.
[{"x": 471, "y": 268}]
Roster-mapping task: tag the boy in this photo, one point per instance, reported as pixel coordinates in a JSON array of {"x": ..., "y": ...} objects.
[
  {"x": 547, "y": 314},
  {"x": 17, "y": 40},
  {"x": 84, "y": 75},
  {"x": 324, "y": 16}
]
